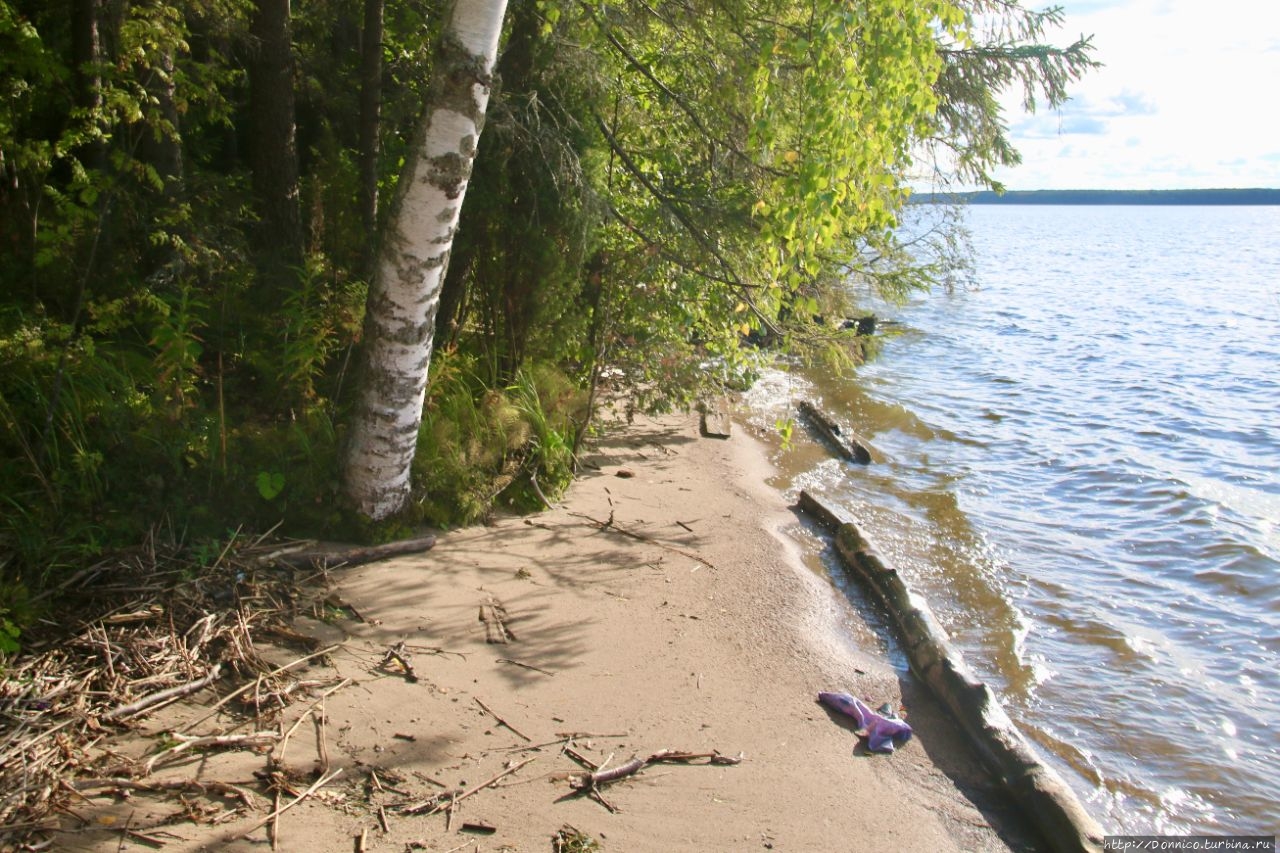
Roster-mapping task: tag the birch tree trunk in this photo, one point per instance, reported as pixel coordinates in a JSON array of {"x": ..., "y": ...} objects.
[{"x": 405, "y": 292}]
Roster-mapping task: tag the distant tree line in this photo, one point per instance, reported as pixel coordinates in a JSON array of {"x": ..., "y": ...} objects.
[{"x": 1111, "y": 197}]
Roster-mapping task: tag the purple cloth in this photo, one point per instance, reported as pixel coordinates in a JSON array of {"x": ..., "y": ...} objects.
[{"x": 883, "y": 733}]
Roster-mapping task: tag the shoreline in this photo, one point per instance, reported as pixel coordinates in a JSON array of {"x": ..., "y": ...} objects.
[{"x": 669, "y": 609}]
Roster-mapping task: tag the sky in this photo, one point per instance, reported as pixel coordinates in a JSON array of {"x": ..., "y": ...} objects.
[{"x": 1189, "y": 98}]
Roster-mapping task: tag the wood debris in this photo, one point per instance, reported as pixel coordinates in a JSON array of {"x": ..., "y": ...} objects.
[
  {"x": 571, "y": 840},
  {"x": 501, "y": 721},
  {"x": 134, "y": 633},
  {"x": 494, "y": 616},
  {"x": 319, "y": 783},
  {"x": 253, "y": 740},
  {"x": 399, "y": 655},
  {"x": 847, "y": 444},
  {"x": 447, "y": 799},
  {"x": 164, "y": 696},
  {"x": 588, "y": 782}
]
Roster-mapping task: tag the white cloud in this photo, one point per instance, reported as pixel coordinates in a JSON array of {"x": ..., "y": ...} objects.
[{"x": 1186, "y": 100}]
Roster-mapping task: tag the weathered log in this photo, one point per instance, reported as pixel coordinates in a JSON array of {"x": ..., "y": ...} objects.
[
  {"x": 1046, "y": 798},
  {"x": 848, "y": 445},
  {"x": 494, "y": 616},
  {"x": 332, "y": 558}
]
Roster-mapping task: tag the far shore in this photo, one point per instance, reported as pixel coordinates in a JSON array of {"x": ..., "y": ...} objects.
[
  {"x": 1215, "y": 197},
  {"x": 671, "y": 601}
]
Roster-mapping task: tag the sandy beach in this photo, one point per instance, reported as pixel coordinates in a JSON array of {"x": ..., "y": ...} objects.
[{"x": 664, "y": 604}]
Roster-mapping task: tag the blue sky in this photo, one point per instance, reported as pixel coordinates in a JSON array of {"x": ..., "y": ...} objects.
[{"x": 1189, "y": 98}]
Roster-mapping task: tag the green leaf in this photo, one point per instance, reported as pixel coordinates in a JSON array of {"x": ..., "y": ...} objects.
[{"x": 270, "y": 484}]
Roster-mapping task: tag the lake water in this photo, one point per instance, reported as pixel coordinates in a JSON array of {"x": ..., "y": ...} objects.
[{"x": 1079, "y": 465}]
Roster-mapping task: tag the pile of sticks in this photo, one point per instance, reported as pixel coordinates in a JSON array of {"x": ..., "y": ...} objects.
[{"x": 123, "y": 639}]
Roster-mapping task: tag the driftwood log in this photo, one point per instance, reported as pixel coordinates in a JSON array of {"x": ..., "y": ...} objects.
[
  {"x": 848, "y": 445},
  {"x": 1044, "y": 796},
  {"x": 335, "y": 557}
]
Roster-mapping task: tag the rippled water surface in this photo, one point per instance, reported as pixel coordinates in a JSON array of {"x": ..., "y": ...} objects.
[{"x": 1079, "y": 463}]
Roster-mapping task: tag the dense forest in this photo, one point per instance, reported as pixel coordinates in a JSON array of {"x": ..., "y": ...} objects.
[{"x": 194, "y": 196}]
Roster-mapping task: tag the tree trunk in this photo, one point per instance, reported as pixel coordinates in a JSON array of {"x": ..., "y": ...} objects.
[
  {"x": 274, "y": 147},
  {"x": 453, "y": 294},
  {"x": 414, "y": 254},
  {"x": 86, "y": 59},
  {"x": 370, "y": 118}
]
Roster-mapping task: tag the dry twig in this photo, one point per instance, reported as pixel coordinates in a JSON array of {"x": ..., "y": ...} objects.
[
  {"x": 254, "y": 740},
  {"x": 501, "y": 721},
  {"x": 319, "y": 783},
  {"x": 448, "y": 798},
  {"x": 525, "y": 666}
]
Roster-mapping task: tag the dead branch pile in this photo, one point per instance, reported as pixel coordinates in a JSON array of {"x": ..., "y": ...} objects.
[{"x": 128, "y": 636}]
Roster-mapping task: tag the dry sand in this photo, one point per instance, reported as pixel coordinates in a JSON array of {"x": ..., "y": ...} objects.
[{"x": 707, "y": 630}]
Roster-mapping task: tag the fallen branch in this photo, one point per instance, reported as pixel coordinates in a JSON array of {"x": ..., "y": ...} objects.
[
  {"x": 254, "y": 740},
  {"x": 564, "y": 739},
  {"x": 284, "y": 740},
  {"x": 322, "y": 740},
  {"x": 279, "y": 696},
  {"x": 537, "y": 490},
  {"x": 604, "y": 777},
  {"x": 170, "y": 694},
  {"x": 587, "y": 782},
  {"x": 198, "y": 786},
  {"x": 847, "y": 445}
]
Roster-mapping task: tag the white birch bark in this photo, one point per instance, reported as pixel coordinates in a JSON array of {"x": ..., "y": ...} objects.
[{"x": 405, "y": 291}]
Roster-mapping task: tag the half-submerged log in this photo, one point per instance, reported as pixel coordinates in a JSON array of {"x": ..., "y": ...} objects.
[
  {"x": 846, "y": 444},
  {"x": 1043, "y": 794}
]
